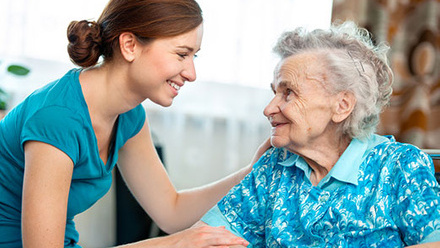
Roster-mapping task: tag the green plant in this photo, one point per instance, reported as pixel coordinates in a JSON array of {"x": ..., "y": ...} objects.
[
  {"x": 17, "y": 70},
  {"x": 3, "y": 100}
]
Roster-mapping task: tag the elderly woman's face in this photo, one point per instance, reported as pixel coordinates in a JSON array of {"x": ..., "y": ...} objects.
[{"x": 301, "y": 110}]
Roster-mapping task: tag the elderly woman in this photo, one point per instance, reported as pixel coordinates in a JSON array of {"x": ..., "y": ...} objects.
[{"x": 329, "y": 180}]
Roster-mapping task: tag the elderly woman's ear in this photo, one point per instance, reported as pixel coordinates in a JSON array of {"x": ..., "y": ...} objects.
[{"x": 343, "y": 106}]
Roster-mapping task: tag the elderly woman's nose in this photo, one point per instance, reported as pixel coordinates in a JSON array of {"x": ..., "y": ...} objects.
[{"x": 271, "y": 108}]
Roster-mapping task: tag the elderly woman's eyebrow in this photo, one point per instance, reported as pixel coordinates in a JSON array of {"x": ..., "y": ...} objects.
[
  {"x": 286, "y": 84},
  {"x": 281, "y": 85}
]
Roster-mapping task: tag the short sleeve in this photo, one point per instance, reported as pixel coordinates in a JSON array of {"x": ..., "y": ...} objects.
[
  {"x": 244, "y": 207},
  {"x": 214, "y": 217},
  {"x": 56, "y": 126},
  {"x": 417, "y": 212},
  {"x": 132, "y": 122}
]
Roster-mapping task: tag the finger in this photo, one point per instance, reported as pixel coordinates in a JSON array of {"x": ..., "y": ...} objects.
[
  {"x": 261, "y": 150},
  {"x": 220, "y": 236},
  {"x": 266, "y": 144}
]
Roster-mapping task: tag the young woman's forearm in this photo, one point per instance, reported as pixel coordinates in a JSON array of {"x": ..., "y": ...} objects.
[
  {"x": 147, "y": 179},
  {"x": 207, "y": 196},
  {"x": 192, "y": 204}
]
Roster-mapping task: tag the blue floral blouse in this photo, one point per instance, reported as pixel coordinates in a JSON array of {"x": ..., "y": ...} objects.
[{"x": 380, "y": 193}]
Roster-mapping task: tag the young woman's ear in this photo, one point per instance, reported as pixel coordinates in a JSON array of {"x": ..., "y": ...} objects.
[
  {"x": 127, "y": 45},
  {"x": 343, "y": 106}
]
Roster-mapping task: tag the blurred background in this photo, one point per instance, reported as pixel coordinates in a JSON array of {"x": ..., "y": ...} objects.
[{"x": 216, "y": 123}]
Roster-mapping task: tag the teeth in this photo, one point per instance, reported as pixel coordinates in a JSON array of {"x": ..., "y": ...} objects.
[{"x": 174, "y": 85}]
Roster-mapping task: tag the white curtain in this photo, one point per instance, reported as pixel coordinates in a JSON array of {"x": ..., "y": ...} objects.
[
  {"x": 239, "y": 36},
  {"x": 37, "y": 28},
  {"x": 214, "y": 125}
]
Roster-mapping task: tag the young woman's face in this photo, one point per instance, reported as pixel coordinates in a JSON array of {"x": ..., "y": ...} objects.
[{"x": 165, "y": 65}]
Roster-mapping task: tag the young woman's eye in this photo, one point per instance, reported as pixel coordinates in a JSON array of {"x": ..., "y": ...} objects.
[{"x": 182, "y": 55}]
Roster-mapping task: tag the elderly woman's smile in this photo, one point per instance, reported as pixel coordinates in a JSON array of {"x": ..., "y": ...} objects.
[{"x": 301, "y": 112}]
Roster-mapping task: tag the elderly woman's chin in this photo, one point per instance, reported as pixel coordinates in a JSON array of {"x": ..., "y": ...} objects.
[{"x": 278, "y": 142}]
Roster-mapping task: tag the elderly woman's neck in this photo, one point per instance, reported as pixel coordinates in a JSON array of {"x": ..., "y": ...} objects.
[{"x": 322, "y": 157}]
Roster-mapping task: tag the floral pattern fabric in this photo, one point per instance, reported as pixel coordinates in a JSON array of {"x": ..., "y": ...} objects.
[{"x": 395, "y": 203}]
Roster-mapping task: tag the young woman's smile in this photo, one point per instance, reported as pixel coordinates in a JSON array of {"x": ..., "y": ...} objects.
[
  {"x": 166, "y": 64},
  {"x": 175, "y": 86}
]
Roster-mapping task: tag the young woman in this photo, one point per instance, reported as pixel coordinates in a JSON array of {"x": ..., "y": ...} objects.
[{"x": 59, "y": 146}]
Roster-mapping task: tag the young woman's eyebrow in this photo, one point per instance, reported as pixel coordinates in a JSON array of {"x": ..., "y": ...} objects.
[{"x": 190, "y": 49}]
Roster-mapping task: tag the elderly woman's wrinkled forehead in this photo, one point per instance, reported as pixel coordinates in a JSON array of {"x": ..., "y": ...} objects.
[{"x": 293, "y": 69}]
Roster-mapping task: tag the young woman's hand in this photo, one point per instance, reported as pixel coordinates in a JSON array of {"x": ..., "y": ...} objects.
[
  {"x": 200, "y": 235},
  {"x": 207, "y": 236},
  {"x": 261, "y": 150}
]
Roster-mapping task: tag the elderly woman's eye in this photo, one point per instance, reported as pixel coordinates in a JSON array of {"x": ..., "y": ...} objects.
[{"x": 289, "y": 92}]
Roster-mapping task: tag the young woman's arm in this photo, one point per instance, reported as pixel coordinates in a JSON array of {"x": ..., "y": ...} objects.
[
  {"x": 47, "y": 177},
  {"x": 148, "y": 181}
]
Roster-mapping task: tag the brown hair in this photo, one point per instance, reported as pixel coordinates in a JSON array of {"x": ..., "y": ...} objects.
[{"x": 147, "y": 19}]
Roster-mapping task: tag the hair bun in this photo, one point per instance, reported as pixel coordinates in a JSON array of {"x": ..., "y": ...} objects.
[{"x": 84, "y": 42}]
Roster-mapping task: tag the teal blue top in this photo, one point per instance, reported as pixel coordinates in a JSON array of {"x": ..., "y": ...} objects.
[
  {"x": 380, "y": 193},
  {"x": 57, "y": 114}
]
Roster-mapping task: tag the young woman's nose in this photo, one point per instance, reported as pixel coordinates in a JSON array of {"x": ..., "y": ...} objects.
[{"x": 189, "y": 71}]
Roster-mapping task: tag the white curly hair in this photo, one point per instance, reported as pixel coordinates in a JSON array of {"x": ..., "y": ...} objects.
[{"x": 353, "y": 64}]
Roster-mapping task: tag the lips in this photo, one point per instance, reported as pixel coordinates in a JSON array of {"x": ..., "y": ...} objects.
[{"x": 276, "y": 124}]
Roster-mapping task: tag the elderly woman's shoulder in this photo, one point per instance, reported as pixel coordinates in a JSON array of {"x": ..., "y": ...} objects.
[
  {"x": 397, "y": 158},
  {"x": 392, "y": 149},
  {"x": 276, "y": 156}
]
